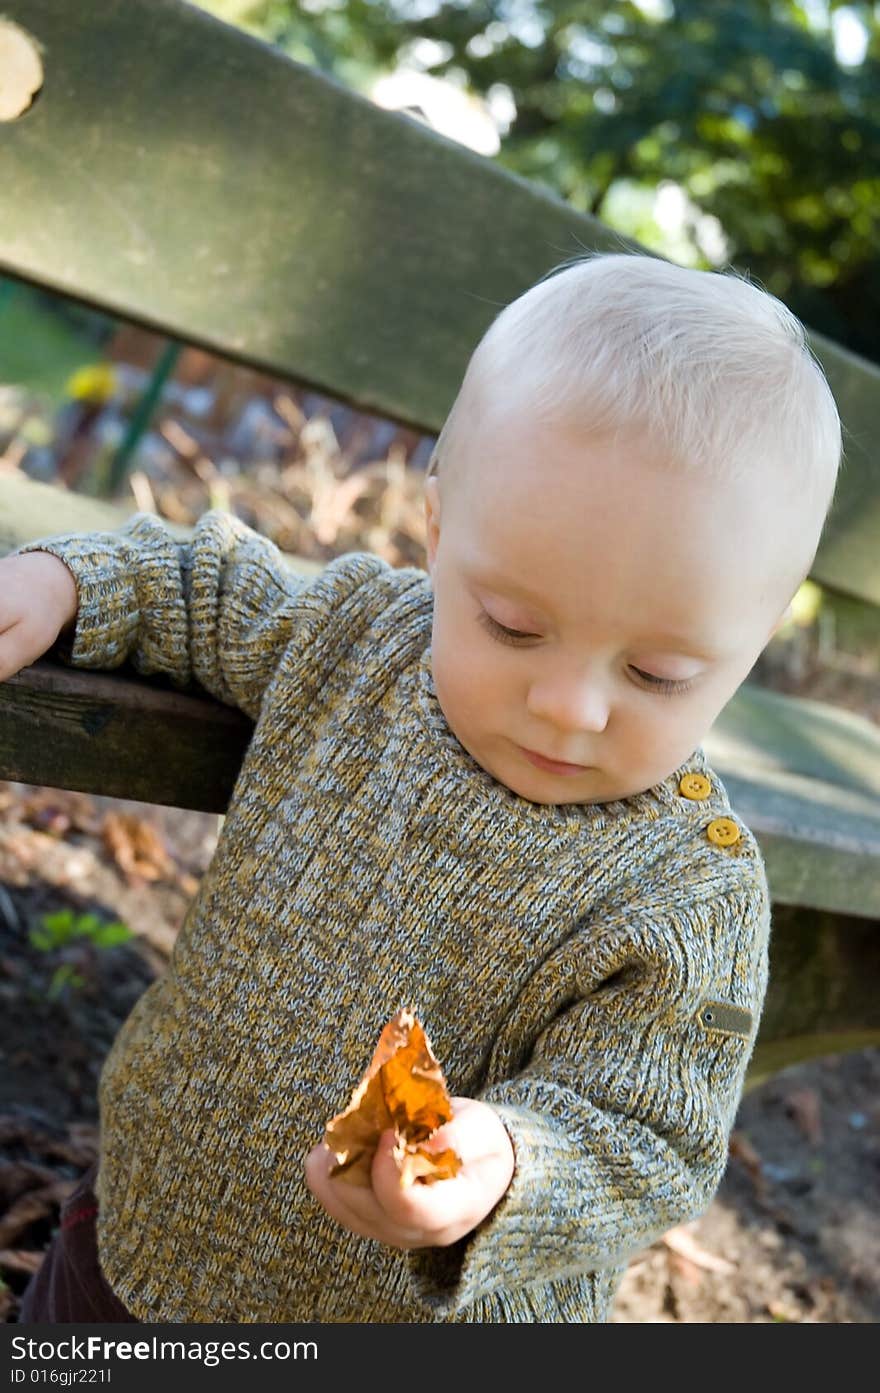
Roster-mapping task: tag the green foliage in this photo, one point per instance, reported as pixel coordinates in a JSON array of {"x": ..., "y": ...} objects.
[
  {"x": 41, "y": 341},
  {"x": 744, "y": 105},
  {"x": 59, "y": 929},
  {"x": 64, "y": 928},
  {"x": 63, "y": 977}
]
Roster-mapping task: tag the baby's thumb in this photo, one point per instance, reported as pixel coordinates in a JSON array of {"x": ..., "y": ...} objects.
[{"x": 387, "y": 1182}]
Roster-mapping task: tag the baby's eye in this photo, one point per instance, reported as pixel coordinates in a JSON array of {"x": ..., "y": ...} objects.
[
  {"x": 663, "y": 684},
  {"x": 501, "y": 631}
]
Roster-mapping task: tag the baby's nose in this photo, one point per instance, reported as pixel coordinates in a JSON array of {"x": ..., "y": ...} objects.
[{"x": 571, "y": 702}]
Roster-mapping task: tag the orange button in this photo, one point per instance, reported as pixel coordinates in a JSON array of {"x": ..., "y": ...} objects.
[
  {"x": 723, "y": 832},
  {"x": 695, "y": 786}
]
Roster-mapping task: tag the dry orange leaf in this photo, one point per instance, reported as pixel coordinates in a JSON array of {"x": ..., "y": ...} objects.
[
  {"x": 805, "y": 1106},
  {"x": 137, "y": 847},
  {"x": 403, "y": 1088}
]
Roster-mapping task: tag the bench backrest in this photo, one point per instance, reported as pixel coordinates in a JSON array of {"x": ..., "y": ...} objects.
[{"x": 177, "y": 173}]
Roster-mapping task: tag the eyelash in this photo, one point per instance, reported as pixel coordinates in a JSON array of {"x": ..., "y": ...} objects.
[{"x": 662, "y": 685}]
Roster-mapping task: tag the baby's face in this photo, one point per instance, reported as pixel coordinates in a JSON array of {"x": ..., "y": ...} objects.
[{"x": 591, "y": 608}]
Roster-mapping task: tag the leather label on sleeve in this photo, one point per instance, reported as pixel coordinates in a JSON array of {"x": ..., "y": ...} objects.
[{"x": 726, "y": 1018}]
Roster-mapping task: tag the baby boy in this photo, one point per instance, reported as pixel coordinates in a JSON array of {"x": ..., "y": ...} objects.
[{"x": 480, "y": 793}]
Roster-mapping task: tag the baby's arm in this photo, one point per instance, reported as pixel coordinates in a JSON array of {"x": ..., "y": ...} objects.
[
  {"x": 219, "y": 608},
  {"x": 620, "y": 1117}
]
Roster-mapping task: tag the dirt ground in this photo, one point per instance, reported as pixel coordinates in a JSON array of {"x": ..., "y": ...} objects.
[{"x": 793, "y": 1234}]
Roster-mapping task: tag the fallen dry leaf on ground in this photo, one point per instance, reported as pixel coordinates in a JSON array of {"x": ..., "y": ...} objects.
[
  {"x": 57, "y": 811},
  {"x": 804, "y": 1106},
  {"x": 80, "y": 1148},
  {"x": 403, "y": 1088},
  {"x": 35, "y": 1204},
  {"x": 137, "y": 848},
  {"x": 682, "y": 1242},
  {"x": 20, "y": 1260},
  {"x": 741, "y": 1149},
  {"x": 31, "y": 1193}
]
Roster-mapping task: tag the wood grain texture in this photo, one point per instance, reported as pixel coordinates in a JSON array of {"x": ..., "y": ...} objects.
[{"x": 106, "y": 733}]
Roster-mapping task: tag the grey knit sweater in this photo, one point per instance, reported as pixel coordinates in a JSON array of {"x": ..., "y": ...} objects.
[{"x": 595, "y": 972}]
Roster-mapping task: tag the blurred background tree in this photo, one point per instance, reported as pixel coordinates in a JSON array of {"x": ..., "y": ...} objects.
[{"x": 715, "y": 132}]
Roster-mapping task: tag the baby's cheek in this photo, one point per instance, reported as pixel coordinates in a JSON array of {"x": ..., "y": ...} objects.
[
  {"x": 450, "y": 682},
  {"x": 662, "y": 740}
]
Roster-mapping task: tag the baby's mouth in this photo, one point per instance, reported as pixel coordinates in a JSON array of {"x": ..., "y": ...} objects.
[{"x": 552, "y": 766}]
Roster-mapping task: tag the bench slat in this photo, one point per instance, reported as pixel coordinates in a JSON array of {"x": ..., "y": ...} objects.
[
  {"x": 105, "y": 733},
  {"x": 181, "y": 174}
]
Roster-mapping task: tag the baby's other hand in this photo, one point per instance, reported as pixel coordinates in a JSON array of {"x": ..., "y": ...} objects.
[
  {"x": 420, "y": 1215},
  {"x": 38, "y": 597}
]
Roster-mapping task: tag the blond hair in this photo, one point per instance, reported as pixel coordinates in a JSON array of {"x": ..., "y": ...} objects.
[{"x": 714, "y": 368}]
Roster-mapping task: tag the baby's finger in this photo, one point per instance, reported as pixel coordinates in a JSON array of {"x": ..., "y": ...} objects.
[
  {"x": 434, "y": 1209},
  {"x": 355, "y": 1206},
  {"x": 15, "y": 653}
]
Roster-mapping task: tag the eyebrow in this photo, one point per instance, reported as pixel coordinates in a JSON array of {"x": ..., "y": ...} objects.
[{"x": 672, "y": 643}]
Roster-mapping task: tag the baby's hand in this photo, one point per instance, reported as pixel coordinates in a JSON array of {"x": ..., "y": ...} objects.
[
  {"x": 38, "y": 597},
  {"x": 419, "y": 1215}
]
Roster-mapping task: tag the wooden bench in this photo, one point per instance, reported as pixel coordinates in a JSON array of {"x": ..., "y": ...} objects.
[{"x": 180, "y": 175}]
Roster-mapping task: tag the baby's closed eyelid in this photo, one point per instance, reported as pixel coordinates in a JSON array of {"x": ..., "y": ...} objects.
[
  {"x": 518, "y": 621},
  {"x": 507, "y": 633},
  {"x": 664, "y": 686}
]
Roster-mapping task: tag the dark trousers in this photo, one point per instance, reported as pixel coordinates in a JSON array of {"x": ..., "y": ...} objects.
[{"x": 69, "y": 1285}]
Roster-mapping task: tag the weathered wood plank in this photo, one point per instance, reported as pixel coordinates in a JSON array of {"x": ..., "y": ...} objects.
[
  {"x": 104, "y": 733},
  {"x": 772, "y": 1055},
  {"x": 822, "y": 996},
  {"x": 183, "y": 175},
  {"x": 821, "y": 845},
  {"x": 186, "y": 176},
  {"x": 797, "y": 737},
  {"x": 29, "y": 511},
  {"x": 847, "y": 559}
]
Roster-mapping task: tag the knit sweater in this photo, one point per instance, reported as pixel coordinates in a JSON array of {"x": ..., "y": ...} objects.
[{"x": 595, "y": 972}]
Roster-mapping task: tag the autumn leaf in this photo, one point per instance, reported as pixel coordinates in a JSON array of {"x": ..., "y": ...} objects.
[
  {"x": 403, "y": 1088},
  {"x": 804, "y": 1106},
  {"x": 137, "y": 847},
  {"x": 741, "y": 1149}
]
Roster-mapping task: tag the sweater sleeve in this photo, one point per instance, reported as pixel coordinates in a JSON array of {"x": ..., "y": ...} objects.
[
  {"x": 621, "y": 1116},
  {"x": 219, "y": 608}
]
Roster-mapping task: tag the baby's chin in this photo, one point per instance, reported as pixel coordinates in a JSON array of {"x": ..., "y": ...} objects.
[
  {"x": 544, "y": 788},
  {"x": 508, "y": 765},
  {"x": 547, "y": 789}
]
